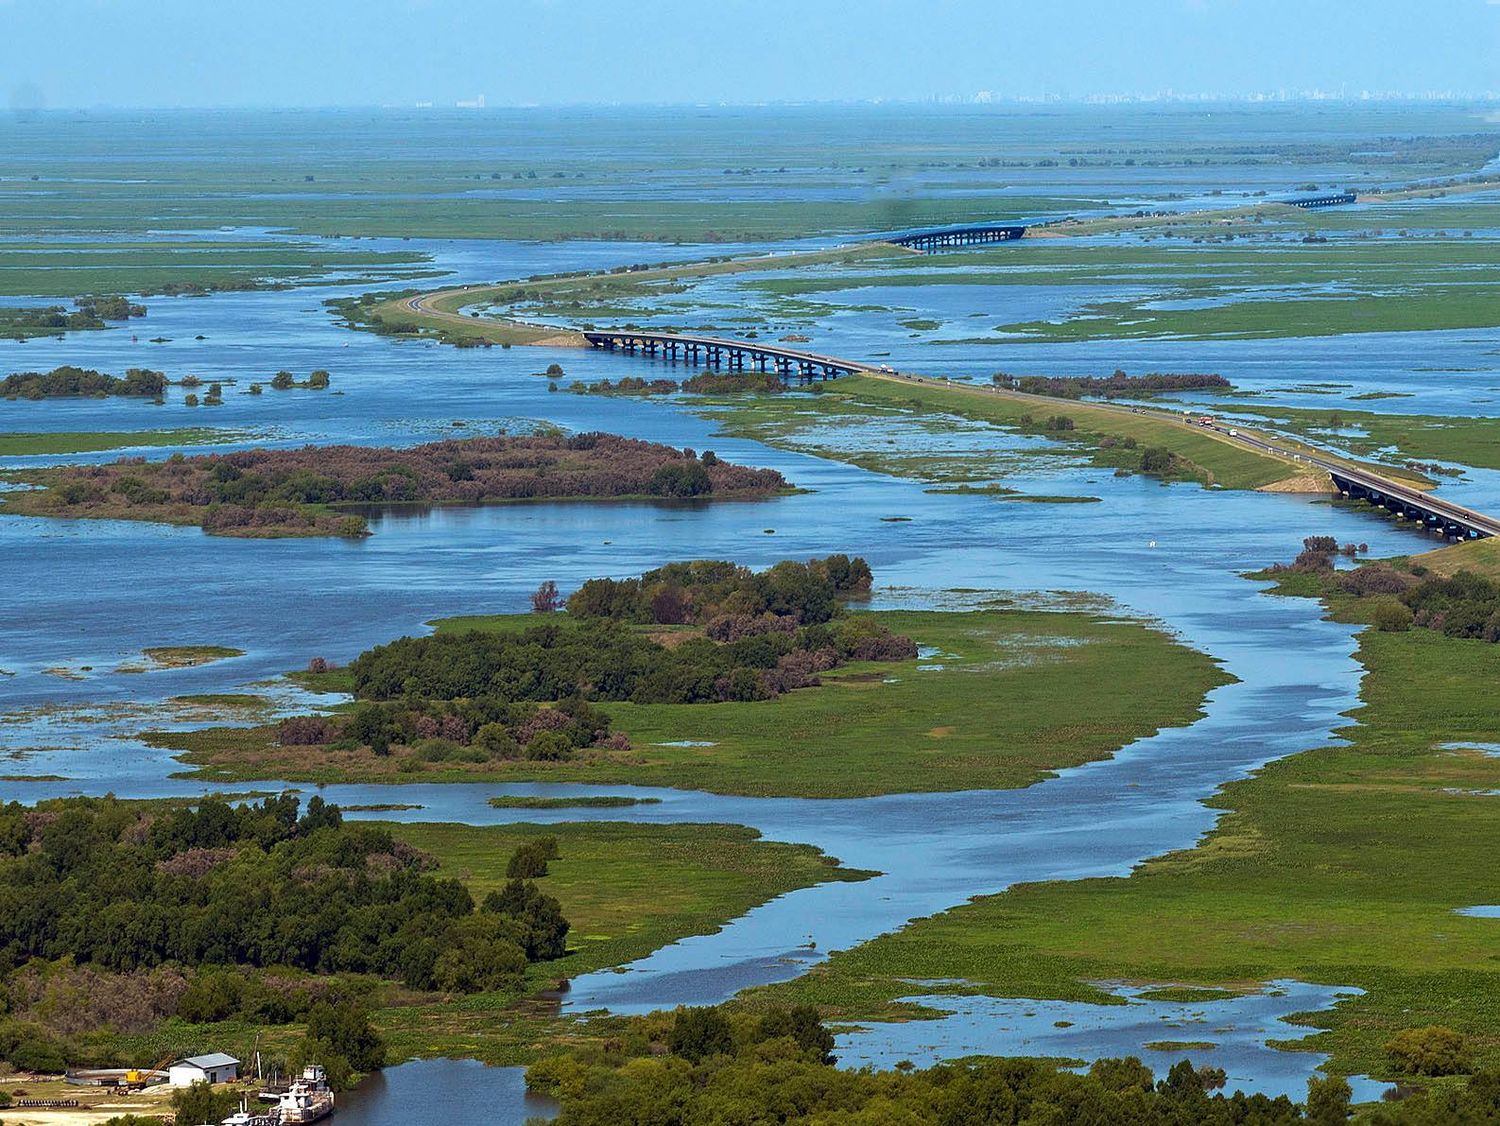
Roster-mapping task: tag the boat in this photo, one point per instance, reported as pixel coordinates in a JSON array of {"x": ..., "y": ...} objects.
[
  {"x": 246, "y": 1117},
  {"x": 308, "y": 1099}
]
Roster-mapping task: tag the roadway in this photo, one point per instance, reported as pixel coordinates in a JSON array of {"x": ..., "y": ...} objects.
[
  {"x": 1298, "y": 456},
  {"x": 1365, "y": 478},
  {"x": 1411, "y": 500}
]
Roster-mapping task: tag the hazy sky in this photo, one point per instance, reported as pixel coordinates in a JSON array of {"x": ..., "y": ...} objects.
[{"x": 68, "y": 53}]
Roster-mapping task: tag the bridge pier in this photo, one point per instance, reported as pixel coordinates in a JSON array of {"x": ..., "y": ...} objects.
[
  {"x": 1437, "y": 519},
  {"x": 790, "y": 364},
  {"x": 958, "y": 237}
]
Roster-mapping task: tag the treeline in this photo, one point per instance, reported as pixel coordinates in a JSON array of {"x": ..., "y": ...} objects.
[
  {"x": 763, "y": 634},
  {"x": 474, "y": 729},
  {"x": 1113, "y": 386},
  {"x": 704, "y": 590},
  {"x": 72, "y": 382},
  {"x": 707, "y": 1065},
  {"x": 57, "y": 1015},
  {"x": 265, "y": 491},
  {"x": 88, "y": 313},
  {"x": 704, "y": 383},
  {"x": 124, "y": 887},
  {"x": 531, "y": 694}
]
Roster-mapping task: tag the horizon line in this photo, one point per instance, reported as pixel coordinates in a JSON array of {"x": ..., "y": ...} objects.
[{"x": 982, "y": 100}]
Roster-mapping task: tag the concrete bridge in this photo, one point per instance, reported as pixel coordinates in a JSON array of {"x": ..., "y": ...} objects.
[
  {"x": 1329, "y": 199},
  {"x": 721, "y": 354},
  {"x": 941, "y": 238},
  {"x": 1435, "y": 514}
]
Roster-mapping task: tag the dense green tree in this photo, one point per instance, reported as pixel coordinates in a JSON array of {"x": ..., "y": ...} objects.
[
  {"x": 1157, "y": 460},
  {"x": 541, "y": 930},
  {"x": 698, "y": 1033},
  {"x": 1328, "y": 1100},
  {"x": 202, "y": 1103}
]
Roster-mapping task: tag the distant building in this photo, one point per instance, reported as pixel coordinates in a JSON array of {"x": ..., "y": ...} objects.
[{"x": 215, "y": 1067}]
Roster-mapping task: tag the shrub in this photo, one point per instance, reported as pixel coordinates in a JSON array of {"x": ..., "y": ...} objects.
[
  {"x": 1374, "y": 578},
  {"x": 201, "y": 1103},
  {"x": 318, "y": 380},
  {"x": 529, "y": 861},
  {"x": 497, "y": 742},
  {"x": 1157, "y": 460},
  {"x": 1390, "y": 616},
  {"x": 306, "y": 731},
  {"x": 549, "y": 746},
  {"x": 545, "y": 599},
  {"x": 1433, "y": 1050}
]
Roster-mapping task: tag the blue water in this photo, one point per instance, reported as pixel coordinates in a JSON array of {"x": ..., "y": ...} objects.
[{"x": 1238, "y": 1031}]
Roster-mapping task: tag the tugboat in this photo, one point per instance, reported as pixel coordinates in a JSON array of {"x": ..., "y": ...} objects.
[{"x": 308, "y": 1099}]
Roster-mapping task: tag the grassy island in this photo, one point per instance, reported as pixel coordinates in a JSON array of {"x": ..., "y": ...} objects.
[
  {"x": 21, "y": 322},
  {"x": 71, "y": 382},
  {"x": 708, "y": 676},
  {"x": 46, "y": 443},
  {"x": 309, "y": 491}
]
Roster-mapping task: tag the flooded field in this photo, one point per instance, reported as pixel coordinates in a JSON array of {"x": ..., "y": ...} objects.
[{"x": 86, "y": 598}]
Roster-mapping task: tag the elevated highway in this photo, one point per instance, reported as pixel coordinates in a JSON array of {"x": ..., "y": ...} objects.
[
  {"x": 791, "y": 365},
  {"x": 941, "y": 238},
  {"x": 720, "y": 353},
  {"x": 1356, "y": 483}
]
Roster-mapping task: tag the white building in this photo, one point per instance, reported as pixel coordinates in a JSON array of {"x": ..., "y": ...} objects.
[{"x": 215, "y": 1067}]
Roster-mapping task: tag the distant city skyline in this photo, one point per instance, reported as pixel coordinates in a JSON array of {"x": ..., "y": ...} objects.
[{"x": 281, "y": 53}]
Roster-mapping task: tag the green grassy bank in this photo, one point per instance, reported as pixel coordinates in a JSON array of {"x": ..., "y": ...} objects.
[
  {"x": 1099, "y": 431},
  {"x": 1009, "y": 696},
  {"x": 35, "y": 444},
  {"x": 1344, "y": 866}
]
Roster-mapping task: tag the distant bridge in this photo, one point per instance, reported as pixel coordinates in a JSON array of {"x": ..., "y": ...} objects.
[
  {"x": 1332, "y": 199},
  {"x": 940, "y": 238},
  {"x": 718, "y": 353}
]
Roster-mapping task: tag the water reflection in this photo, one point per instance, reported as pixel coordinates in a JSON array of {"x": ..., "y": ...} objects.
[
  {"x": 1232, "y": 1033},
  {"x": 433, "y": 1092}
]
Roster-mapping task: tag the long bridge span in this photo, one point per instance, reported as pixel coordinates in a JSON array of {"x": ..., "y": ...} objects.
[
  {"x": 941, "y": 238},
  {"x": 1356, "y": 483},
  {"x": 720, "y": 353}
]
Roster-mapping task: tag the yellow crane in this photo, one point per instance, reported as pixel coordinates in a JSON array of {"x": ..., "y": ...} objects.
[{"x": 138, "y": 1078}]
